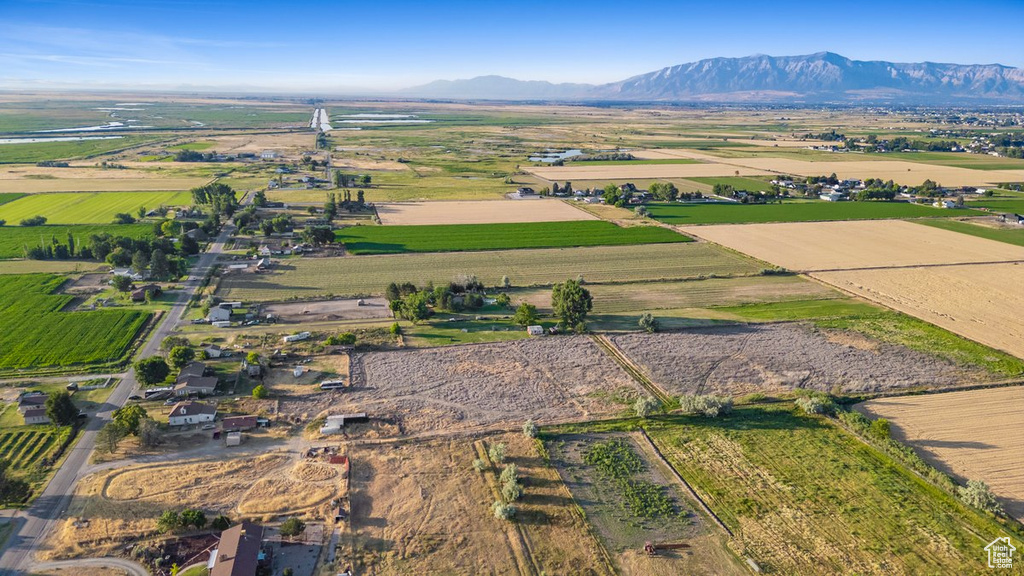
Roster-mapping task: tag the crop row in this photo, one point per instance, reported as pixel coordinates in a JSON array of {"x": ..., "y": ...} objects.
[{"x": 24, "y": 448}]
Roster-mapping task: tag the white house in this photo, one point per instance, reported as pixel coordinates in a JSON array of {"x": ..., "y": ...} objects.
[
  {"x": 213, "y": 351},
  {"x": 268, "y": 155},
  {"x": 831, "y": 196},
  {"x": 535, "y": 330},
  {"x": 219, "y": 314},
  {"x": 945, "y": 204},
  {"x": 297, "y": 337},
  {"x": 188, "y": 412}
]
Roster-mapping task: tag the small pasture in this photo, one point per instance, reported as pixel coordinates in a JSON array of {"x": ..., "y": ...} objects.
[
  {"x": 13, "y": 239},
  {"x": 88, "y": 208}
]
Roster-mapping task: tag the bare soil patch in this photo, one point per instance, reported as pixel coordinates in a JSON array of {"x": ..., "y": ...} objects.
[
  {"x": 905, "y": 173},
  {"x": 632, "y": 172},
  {"x": 971, "y": 434},
  {"x": 550, "y": 379},
  {"x": 327, "y": 310},
  {"x": 480, "y": 212},
  {"x": 735, "y": 360}
]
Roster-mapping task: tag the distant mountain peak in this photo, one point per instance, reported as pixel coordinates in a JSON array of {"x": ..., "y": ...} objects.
[{"x": 820, "y": 77}]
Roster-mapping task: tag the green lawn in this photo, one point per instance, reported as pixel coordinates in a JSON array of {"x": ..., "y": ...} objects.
[
  {"x": 87, "y": 207},
  {"x": 6, "y": 197},
  {"x": 13, "y": 239},
  {"x": 467, "y": 237},
  {"x": 1016, "y": 206},
  {"x": 1008, "y": 235},
  {"x": 36, "y": 333},
  {"x": 803, "y": 496},
  {"x": 725, "y": 213}
]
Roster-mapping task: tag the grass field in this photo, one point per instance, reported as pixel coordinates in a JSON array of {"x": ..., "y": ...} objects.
[
  {"x": 13, "y": 239},
  {"x": 87, "y": 208},
  {"x": 467, "y": 237},
  {"x": 803, "y": 496},
  {"x": 35, "y": 333},
  {"x": 6, "y": 197},
  {"x": 999, "y": 205},
  {"x": 1009, "y": 235},
  {"x": 38, "y": 152},
  {"x": 739, "y": 183},
  {"x": 366, "y": 275},
  {"x": 726, "y": 213}
]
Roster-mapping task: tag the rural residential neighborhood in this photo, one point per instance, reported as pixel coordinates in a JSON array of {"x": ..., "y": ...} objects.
[{"x": 337, "y": 289}]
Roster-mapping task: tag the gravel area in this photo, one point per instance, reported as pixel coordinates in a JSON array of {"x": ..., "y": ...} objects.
[{"x": 773, "y": 357}]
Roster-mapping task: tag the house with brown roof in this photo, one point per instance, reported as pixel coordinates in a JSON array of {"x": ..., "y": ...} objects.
[
  {"x": 240, "y": 551},
  {"x": 189, "y": 412},
  {"x": 32, "y": 407},
  {"x": 235, "y": 423},
  {"x": 192, "y": 369},
  {"x": 196, "y": 386}
]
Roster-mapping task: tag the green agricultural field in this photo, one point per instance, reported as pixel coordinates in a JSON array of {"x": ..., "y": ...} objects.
[
  {"x": 197, "y": 146},
  {"x": 6, "y": 197},
  {"x": 803, "y": 496},
  {"x": 726, "y": 213},
  {"x": 41, "y": 151},
  {"x": 366, "y": 275},
  {"x": 999, "y": 205},
  {"x": 737, "y": 182},
  {"x": 87, "y": 207},
  {"x": 14, "y": 239},
  {"x": 467, "y": 237},
  {"x": 954, "y": 159},
  {"x": 25, "y": 446},
  {"x": 1008, "y": 235},
  {"x": 36, "y": 333}
]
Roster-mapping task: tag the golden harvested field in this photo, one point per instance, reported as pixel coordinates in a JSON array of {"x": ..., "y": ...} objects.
[
  {"x": 812, "y": 246},
  {"x": 30, "y": 186},
  {"x": 628, "y": 171},
  {"x": 906, "y": 173},
  {"x": 984, "y": 302},
  {"x": 369, "y": 275},
  {"x": 287, "y": 143},
  {"x": 965, "y": 284},
  {"x": 480, "y": 212},
  {"x": 975, "y": 435},
  {"x": 49, "y": 266},
  {"x": 77, "y": 172}
]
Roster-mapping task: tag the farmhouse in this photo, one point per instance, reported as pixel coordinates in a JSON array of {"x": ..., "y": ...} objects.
[
  {"x": 198, "y": 235},
  {"x": 213, "y": 351},
  {"x": 147, "y": 291},
  {"x": 535, "y": 330},
  {"x": 189, "y": 412},
  {"x": 219, "y": 314},
  {"x": 196, "y": 386},
  {"x": 240, "y": 551},
  {"x": 35, "y": 415},
  {"x": 192, "y": 370}
]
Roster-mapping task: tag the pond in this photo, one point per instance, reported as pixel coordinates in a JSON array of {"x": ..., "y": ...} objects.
[{"x": 551, "y": 156}]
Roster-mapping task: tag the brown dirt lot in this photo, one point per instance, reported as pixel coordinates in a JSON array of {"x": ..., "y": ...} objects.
[
  {"x": 480, "y": 212},
  {"x": 735, "y": 360},
  {"x": 548, "y": 379},
  {"x": 905, "y": 173},
  {"x": 973, "y": 435},
  {"x": 287, "y": 143},
  {"x": 327, "y": 310}
]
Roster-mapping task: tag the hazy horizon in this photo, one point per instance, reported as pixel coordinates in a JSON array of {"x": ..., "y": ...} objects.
[{"x": 372, "y": 50}]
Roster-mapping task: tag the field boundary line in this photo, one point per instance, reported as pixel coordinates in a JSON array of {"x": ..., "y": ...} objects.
[
  {"x": 525, "y": 560},
  {"x": 693, "y": 493},
  {"x": 634, "y": 371}
]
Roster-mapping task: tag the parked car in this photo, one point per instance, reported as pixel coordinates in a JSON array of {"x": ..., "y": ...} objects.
[
  {"x": 135, "y": 397},
  {"x": 209, "y": 426}
]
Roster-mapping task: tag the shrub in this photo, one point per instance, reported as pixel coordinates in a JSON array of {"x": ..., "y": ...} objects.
[
  {"x": 396, "y": 329},
  {"x": 705, "y": 405},
  {"x": 510, "y": 474},
  {"x": 345, "y": 339},
  {"x": 645, "y": 405},
  {"x": 816, "y": 404},
  {"x": 530, "y": 429},
  {"x": 193, "y": 517},
  {"x": 34, "y": 221},
  {"x": 292, "y": 527},
  {"x": 221, "y": 522},
  {"x": 648, "y": 323},
  {"x": 260, "y": 392},
  {"x": 979, "y": 495},
  {"x": 503, "y": 511},
  {"x": 168, "y": 521},
  {"x": 880, "y": 429},
  {"x": 511, "y": 492},
  {"x": 497, "y": 453},
  {"x": 479, "y": 465}
]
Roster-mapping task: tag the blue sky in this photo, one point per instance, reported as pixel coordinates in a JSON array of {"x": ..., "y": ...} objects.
[{"x": 378, "y": 46}]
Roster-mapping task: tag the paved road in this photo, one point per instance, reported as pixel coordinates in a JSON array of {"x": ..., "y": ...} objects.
[{"x": 32, "y": 525}]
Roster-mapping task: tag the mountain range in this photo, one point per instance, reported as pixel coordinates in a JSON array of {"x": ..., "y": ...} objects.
[{"x": 816, "y": 78}]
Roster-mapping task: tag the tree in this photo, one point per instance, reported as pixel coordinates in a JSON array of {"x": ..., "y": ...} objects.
[
  {"x": 503, "y": 511},
  {"x": 645, "y": 405},
  {"x": 34, "y": 221},
  {"x": 259, "y": 198},
  {"x": 979, "y": 495},
  {"x": 221, "y": 522},
  {"x": 571, "y": 302},
  {"x": 526, "y": 314},
  {"x": 128, "y": 418},
  {"x": 152, "y": 370},
  {"x": 109, "y": 437},
  {"x": 12, "y": 490},
  {"x": 124, "y": 218},
  {"x": 611, "y": 194},
  {"x": 193, "y": 517},
  {"x": 395, "y": 329},
  {"x": 159, "y": 267},
  {"x": 169, "y": 521},
  {"x": 149, "y": 433},
  {"x": 648, "y": 323},
  {"x": 530, "y": 429},
  {"x": 506, "y": 282},
  {"x": 503, "y": 300},
  {"x": 122, "y": 283},
  {"x": 292, "y": 527},
  {"x": 415, "y": 307},
  {"x": 140, "y": 261},
  {"x": 173, "y": 341},
  {"x": 343, "y": 339},
  {"x": 260, "y": 392},
  {"x": 180, "y": 356},
  {"x": 60, "y": 409},
  {"x": 252, "y": 357},
  {"x": 189, "y": 245},
  {"x": 706, "y": 405}
]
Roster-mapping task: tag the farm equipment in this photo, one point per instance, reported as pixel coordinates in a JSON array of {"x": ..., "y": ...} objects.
[{"x": 652, "y": 549}]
